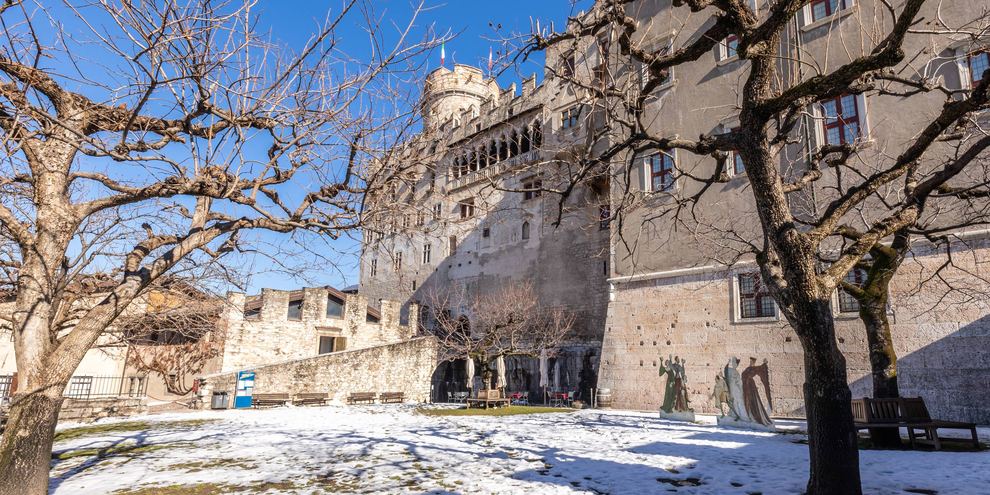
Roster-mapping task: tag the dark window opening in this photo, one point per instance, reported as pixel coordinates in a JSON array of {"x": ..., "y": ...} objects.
[
  {"x": 295, "y": 310},
  {"x": 335, "y": 306},
  {"x": 525, "y": 230}
]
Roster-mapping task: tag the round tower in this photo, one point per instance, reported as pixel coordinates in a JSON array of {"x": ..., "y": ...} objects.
[{"x": 448, "y": 93}]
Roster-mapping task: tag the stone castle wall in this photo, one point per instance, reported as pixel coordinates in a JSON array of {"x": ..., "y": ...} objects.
[
  {"x": 398, "y": 367},
  {"x": 272, "y": 337},
  {"x": 942, "y": 354}
]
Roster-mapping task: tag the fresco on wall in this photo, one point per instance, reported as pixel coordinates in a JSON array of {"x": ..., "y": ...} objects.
[
  {"x": 738, "y": 396},
  {"x": 675, "y": 397}
]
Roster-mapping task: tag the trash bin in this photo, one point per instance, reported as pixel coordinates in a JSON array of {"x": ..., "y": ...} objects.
[{"x": 221, "y": 400}]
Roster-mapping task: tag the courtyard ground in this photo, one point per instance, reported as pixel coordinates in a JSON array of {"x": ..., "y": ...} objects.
[{"x": 399, "y": 449}]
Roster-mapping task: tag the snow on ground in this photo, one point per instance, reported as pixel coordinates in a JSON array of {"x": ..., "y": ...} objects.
[{"x": 393, "y": 449}]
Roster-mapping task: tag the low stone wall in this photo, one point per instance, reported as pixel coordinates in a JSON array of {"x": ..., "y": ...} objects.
[
  {"x": 93, "y": 409},
  {"x": 401, "y": 367}
]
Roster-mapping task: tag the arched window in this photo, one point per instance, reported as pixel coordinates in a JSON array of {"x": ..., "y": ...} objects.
[
  {"x": 537, "y": 134},
  {"x": 524, "y": 141},
  {"x": 475, "y": 161},
  {"x": 492, "y": 153},
  {"x": 503, "y": 149},
  {"x": 525, "y": 230},
  {"x": 513, "y": 144}
]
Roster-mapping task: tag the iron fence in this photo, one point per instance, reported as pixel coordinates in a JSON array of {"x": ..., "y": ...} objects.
[{"x": 103, "y": 387}]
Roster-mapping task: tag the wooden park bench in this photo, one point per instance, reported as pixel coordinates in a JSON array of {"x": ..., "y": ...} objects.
[
  {"x": 488, "y": 398},
  {"x": 388, "y": 397},
  {"x": 359, "y": 397},
  {"x": 908, "y": 413},
  {"x": 305, "y": 399},
  {"x": 263, "y": 400}
]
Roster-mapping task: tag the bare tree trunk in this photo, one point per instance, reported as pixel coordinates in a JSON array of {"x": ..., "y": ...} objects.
[
  {"x": 26, "y": 449},
  {"x": 831, "y": 436}
]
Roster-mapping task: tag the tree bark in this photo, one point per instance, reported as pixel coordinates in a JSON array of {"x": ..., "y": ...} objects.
[
  {"x": 883, "y": 364},
  {"x": 26, "y": 447},
  {"x": 832, "y": 439}
]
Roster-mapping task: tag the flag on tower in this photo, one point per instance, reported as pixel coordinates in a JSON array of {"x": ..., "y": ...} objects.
[
  {"x": 443, "y": 53},
  {"x": 489, "y": 59}
]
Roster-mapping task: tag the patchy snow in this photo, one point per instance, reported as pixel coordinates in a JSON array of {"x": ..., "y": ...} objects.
[{"x": 392, "y": 449}]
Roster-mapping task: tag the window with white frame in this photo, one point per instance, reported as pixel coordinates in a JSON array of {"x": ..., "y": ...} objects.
[
  {"x": 6, "y": 383},
  {"x": 848, "y": 303},
  {"x": 819, "y": 10},
  {"x": 977, "y": 63},
  {"x": 755, "y": 300},
  {"x": 398, "y": 261},
  {"x": 661, "y": 171},
  {"x": 534, "y": 189},
  {"x": 840, "y": 119},
  {"x": 374, "y": 268},
  {"x": 737, "y": 165},
  {"x": 80, "y": 387},
  {"x": 569, "y": 118},
  {"x": 426, "y": 253},
  {"x": 664, "y": 49}
]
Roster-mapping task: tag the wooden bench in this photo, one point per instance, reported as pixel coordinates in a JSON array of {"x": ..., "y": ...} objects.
[
  {"x": 318, "y": 398},
  {"x": 360, "y": 397},
  {"x": 487, "y": 398},
  {"x": 908, "y": 413},
  {"x": 262, "y": 400},
  {"x": 388, "y": 397}
]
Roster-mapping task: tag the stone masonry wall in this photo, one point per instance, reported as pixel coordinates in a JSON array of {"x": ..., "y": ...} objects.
[
  {"x": 398, "y": 367},
  {"x": 93, "y": 409},
  {"x": 943, "y": 353},
  {"x": 272, "y": 337}
]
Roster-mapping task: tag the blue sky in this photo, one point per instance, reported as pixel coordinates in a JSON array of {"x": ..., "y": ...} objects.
[{"x": 293, "y": 21}]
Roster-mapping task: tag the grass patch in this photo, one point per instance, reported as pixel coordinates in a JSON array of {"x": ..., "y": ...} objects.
[
  {"x": 128, "y": 426},
  {"x": 197, "y": 466},
  {"x": 120, "y": 450},
  {"x": 501, "y": 411}
]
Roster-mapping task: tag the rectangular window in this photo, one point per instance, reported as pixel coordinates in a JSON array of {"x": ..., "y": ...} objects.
[
  {"x": 569, "y": 118},
  {"x": 426, "y": 253},
  {"x": 295, "y": 310},
  {"x": 414, "y": 285},
  {"x": 661, "y": 172},
  {"x": 6, "y": 384},
  {"x": 604, "y": 216},
  {"x": 841, "y": 116},
  {"x": 731, "y": 46},
  {"x": 821, "y": 9},
  {"x": 252, "y": 313},
  {"x": 335, "y": 306},
  {"x": 374, "y": 267},
  {"x": 978, "y": 64},
  {"x": 848, "y": 303},
  {"x": 467, "y": 208},
  {"x": 535, "y": 189},
  {"x": 331, "y": 344},
  {"x": 567, "y": 68},
  {"x": 602, "y": 43},
  {"x": 80, "y": 387},
  {"x": 398, "y": 261},
  {"x": 737, "y": 163},
  {"x": 754, "y": 299},
  {"x": 486, "y": 233},
  {"x": 437, "y": 210},
  {"x": 599, "y": 74}
]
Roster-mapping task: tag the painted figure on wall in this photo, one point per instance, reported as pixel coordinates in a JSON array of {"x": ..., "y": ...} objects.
[
  {"x": 741, "y": 394},
  {"x": 751, "y": 392},
  {"x": 675, "y": 398}
]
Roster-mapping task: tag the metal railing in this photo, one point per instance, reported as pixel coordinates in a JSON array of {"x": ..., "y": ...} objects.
[{"x": 103, "y": 387}]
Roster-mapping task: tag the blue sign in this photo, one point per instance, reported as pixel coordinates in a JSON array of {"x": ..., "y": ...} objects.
[{"x": 245, "y": 389}]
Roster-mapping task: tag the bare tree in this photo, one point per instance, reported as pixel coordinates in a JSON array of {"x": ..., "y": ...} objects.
[
  {"x": 175, "y": 335},
  {"x": 816, "y": 214},
  {"x": 158, "y": 139},
  {"x": 509, "y": 321}
]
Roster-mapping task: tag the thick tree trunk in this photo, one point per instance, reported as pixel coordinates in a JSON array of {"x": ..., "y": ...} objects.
[
  {"x": 883, "y": 363},
  {"x": 26, "y": 446},
  {"x": 832, "y": 438}
]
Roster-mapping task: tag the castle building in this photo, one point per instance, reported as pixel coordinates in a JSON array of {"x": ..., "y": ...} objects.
[{"x": 477, "y": 214}]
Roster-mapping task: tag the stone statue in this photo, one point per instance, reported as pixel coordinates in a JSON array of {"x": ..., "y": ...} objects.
[
  {"x": 675, "y": 398},
  {"x": 741, "y": 395},
  {"x": 751, "y": 393}
]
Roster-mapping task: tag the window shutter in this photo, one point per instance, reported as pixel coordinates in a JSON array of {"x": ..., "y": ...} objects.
[
  {"x": 647, "y": 175},
  {"x": 864, "y": 121}
]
